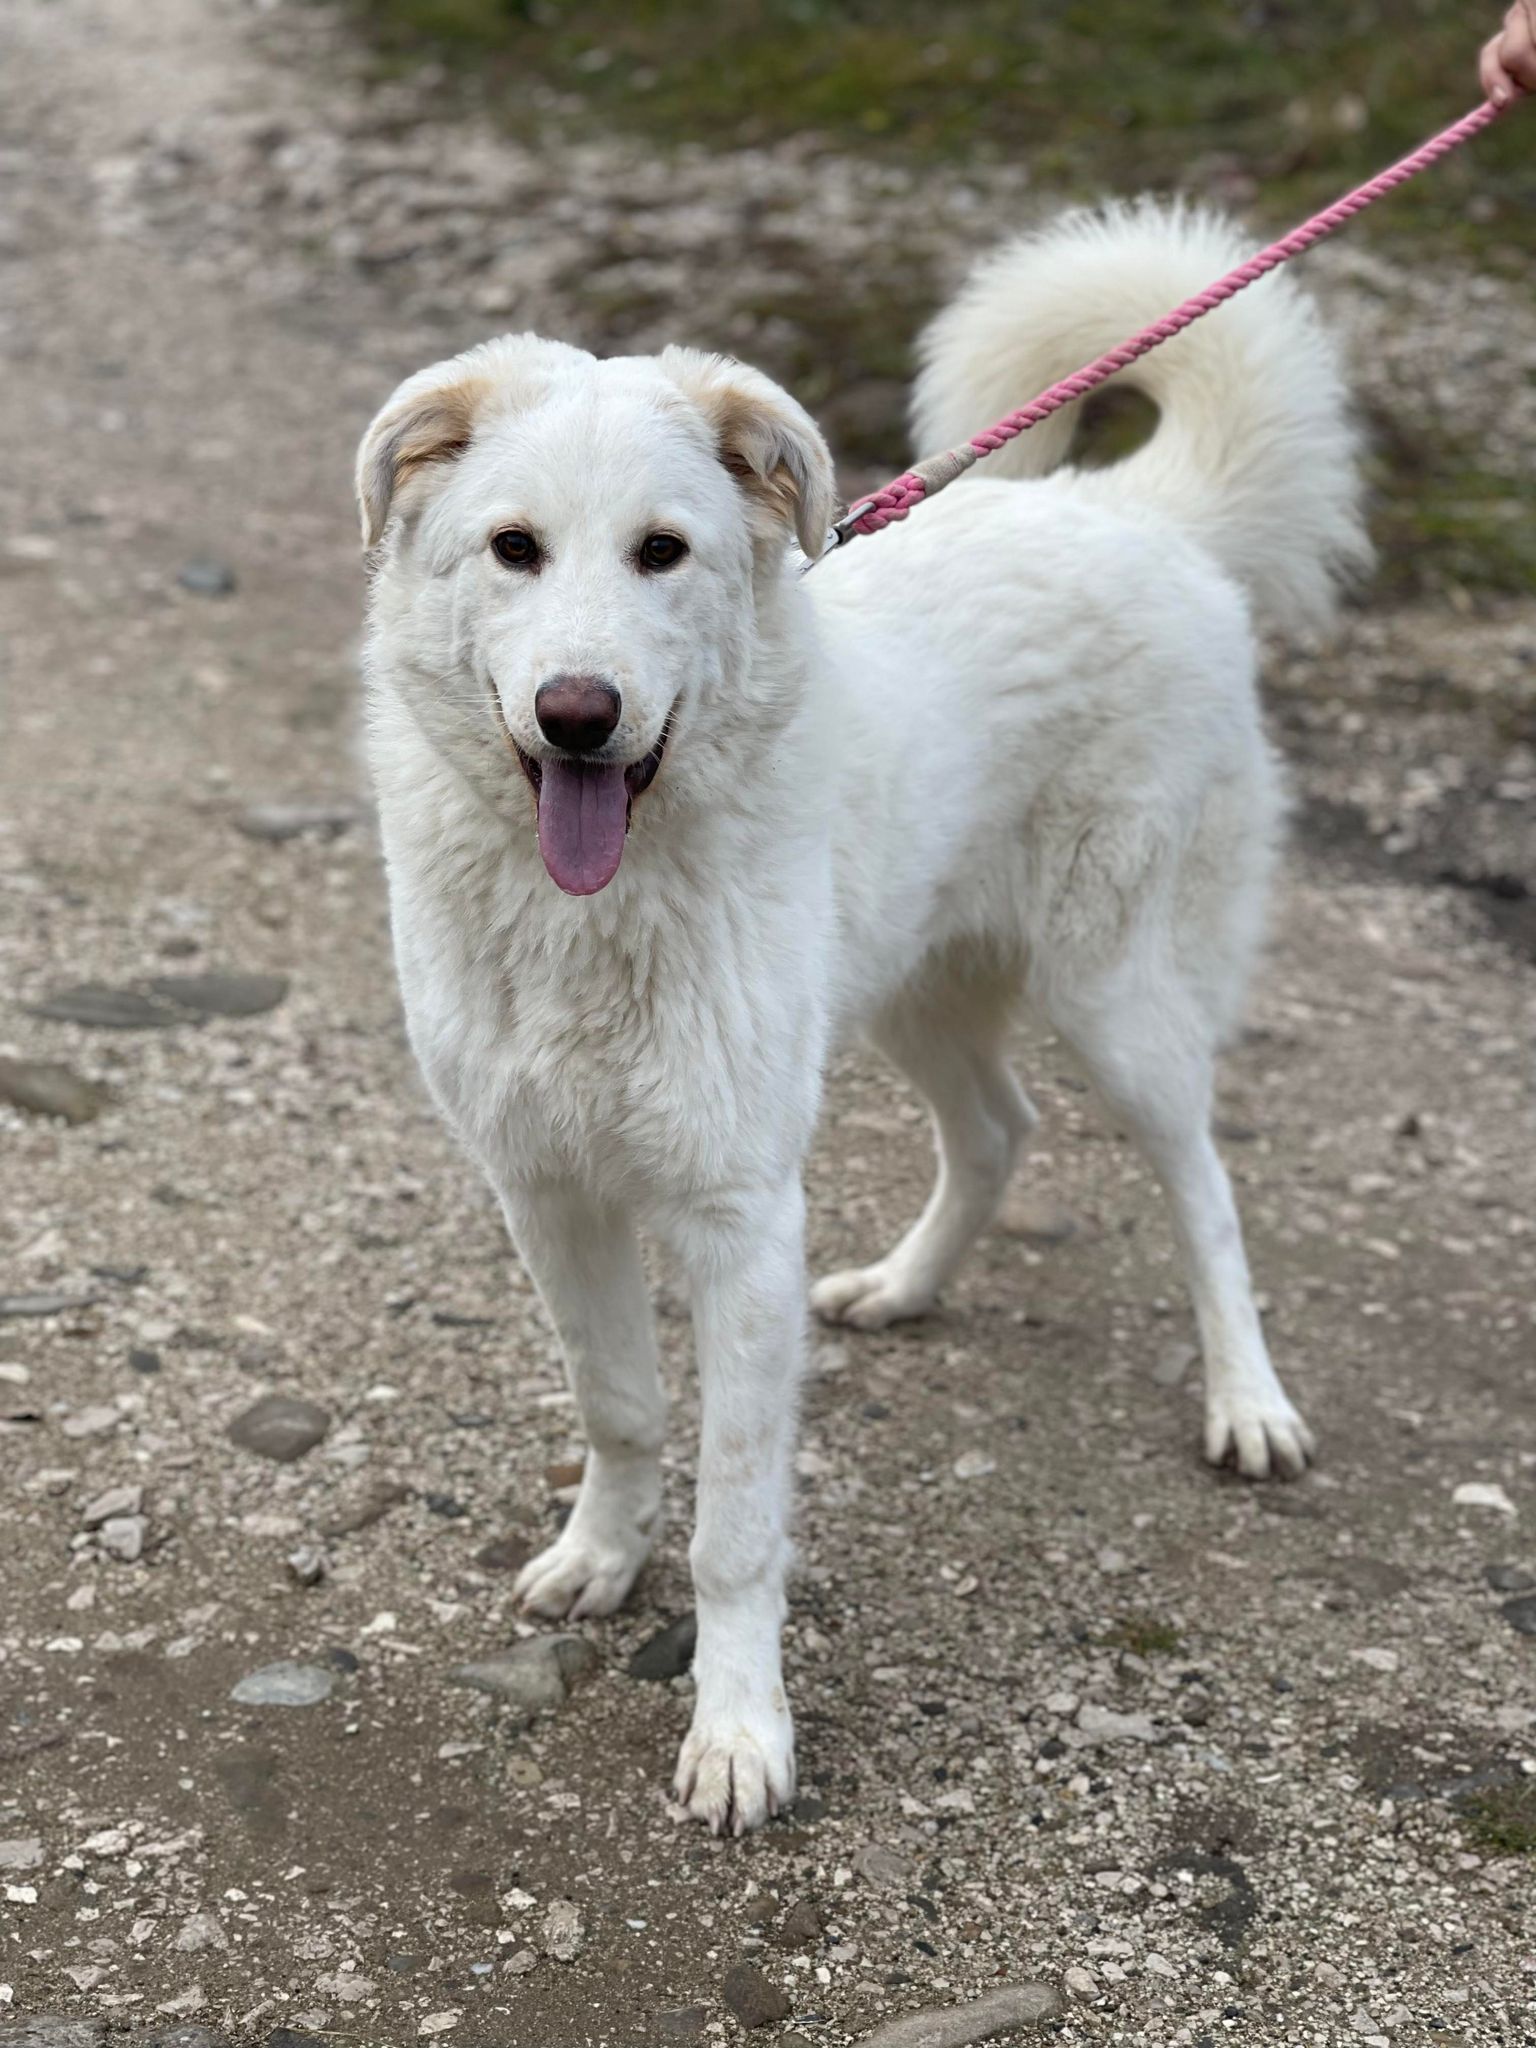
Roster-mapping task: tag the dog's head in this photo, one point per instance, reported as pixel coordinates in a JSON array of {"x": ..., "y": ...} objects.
[{"x": 571, "y": 554}]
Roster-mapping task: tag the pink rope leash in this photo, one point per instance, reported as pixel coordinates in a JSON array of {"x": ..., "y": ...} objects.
[{"x": 897, "y": 498}]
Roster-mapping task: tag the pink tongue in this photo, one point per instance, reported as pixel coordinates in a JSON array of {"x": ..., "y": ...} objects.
[{"x": 583, "y": 816}]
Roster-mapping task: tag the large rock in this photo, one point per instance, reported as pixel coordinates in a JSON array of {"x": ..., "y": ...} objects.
[{"x": 532, "y": 1677}]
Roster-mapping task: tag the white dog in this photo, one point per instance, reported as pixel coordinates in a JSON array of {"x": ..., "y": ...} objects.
[{"x": 665, "y": 819}]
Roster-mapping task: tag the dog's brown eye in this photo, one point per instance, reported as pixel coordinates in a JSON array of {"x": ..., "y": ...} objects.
[
  {"x": 517, "y": 549},
  {"x": 661, "y": 551}
]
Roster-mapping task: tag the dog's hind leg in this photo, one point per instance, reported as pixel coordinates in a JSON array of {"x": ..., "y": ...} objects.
[
  {"x": 1148, "y": 1051},
  {"x": 585, "y": 1261},
  {"x": 951, "y": 1051}
]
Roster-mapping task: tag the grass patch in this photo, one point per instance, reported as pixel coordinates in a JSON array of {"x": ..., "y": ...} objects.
[
  {"x": 1502, "y": 1820},
  {"x": 1143, "y": 1636},
  {"x": 1120, "y": 94}
]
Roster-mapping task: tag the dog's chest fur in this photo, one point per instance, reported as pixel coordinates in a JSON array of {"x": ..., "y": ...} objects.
[{"x": 648, "y": 1040}]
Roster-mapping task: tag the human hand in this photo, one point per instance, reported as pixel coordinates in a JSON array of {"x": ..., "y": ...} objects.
[{"x": 1507, "y": 65}]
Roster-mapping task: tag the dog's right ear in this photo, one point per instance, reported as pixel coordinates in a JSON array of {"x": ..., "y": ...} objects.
[{"x": 428, "y": 421}]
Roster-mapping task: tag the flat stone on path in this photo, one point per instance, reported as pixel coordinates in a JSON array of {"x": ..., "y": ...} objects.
[
  {"x": 956, "y": 2026},
  {"x": 48, "y": 2032},
  {"x": 43, "y": 1304},
  {"x": 1521, "y": 1614},
  {"x": 223, "y": 995},
  {"x": 281, "y": 1427},
  {"x": 105, "y": 1009},
  {"x": 668, "y": 1653},
  {"x": 42, "y": 1088},
  {"x": 752, "y": 1997},
  {"x": 283, "y": 1685}
]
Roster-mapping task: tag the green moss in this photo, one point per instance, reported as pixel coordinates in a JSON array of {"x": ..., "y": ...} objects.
[
  {"x": 1502, "y": 1820},
  {"x": 1143, "y": 1636}
]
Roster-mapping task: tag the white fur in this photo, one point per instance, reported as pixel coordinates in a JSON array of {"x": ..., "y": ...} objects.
[{"x": 1007, "y": 751}]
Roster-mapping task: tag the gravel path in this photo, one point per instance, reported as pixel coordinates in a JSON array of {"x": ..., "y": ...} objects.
[{"x": 1210, "y": 1762}]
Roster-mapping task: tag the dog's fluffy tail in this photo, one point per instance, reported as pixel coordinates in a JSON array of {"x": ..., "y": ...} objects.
[{"x": 1254, "y": 453}]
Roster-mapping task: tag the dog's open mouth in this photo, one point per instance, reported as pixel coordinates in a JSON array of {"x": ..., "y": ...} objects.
[{"x": 584, "y": 811}]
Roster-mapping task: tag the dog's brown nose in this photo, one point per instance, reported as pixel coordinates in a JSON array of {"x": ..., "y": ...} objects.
[{"x": 576, "y": 712}]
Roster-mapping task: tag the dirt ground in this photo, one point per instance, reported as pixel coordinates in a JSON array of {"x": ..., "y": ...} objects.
[{"x": 1214, "y": 1762}]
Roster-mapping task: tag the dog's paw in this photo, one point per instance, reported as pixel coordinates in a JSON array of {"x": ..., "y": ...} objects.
[
  {"x": 577, "y": 1577},
  {"x": 1260, "y": 1433},
  {"x": 735, "y": 1775},
  {"x": 869, "y": 1297}
]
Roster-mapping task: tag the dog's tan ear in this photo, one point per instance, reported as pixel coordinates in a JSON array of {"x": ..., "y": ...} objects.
[
  {"x": 428, "y": 420},
  {"x": 766, "y": 440}
]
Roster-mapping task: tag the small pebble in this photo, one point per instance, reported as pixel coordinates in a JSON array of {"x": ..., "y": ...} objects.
[{"x": 205, "y": 576}]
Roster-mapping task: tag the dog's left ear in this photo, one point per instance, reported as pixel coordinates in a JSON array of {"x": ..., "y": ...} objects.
[
  {"x": 429, "y": 420},
  {"x": 766, "y": 440}
]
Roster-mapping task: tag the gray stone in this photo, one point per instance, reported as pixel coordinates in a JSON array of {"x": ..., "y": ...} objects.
[
  {"x": 179, "y": 2037},
  {"x": 105, "y": 1009},
  {"x": 1103, "y": 1724},
  {"x": 201, "y": 1931},
  {"x": 565, "y": 1932},
  {"x": 956, "y": 2026},
  {"x": 280, "y": 1426},
  {"x": 1521, "y": 1614},
  {"x": 117, "y": 1500},
  {"x": 1509, "y": 1578},
  {"x": 122, "y": 1537},
  {"x": 43, "y": 1088},
  {"x": 801, "y": 1927},
  {"x": 223, "y": 995},
  {"x": 668, "y": 1653},
  {"x": 535, "y": 1676},
  {"x": 882, "y": 1866},
  {"x": 276, "y": 822},
  {"x": 284, "y": 1685},
  {"x": 1037, "y": 1218},
  {"x": 752, "y": 1997},
  {"x": 206, "y": 577},
  {"x": 308, "y": 1564},
  {"x": 21, "y": 1852}
]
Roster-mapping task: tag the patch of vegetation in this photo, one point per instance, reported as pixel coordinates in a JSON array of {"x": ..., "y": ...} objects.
[
  {"x": 1502, "y": 1820},
  {"x": 1143, "y": 1635},
  {"x": 1117, "y": 94}
]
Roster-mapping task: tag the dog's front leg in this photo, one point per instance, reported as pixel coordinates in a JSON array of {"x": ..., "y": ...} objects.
[
  {"x": 585, "y": 1261},
  {"x": 747, "y": 1267}
]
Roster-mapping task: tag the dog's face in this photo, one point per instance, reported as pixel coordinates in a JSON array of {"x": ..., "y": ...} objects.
[{"x": 573, "y": 555}]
